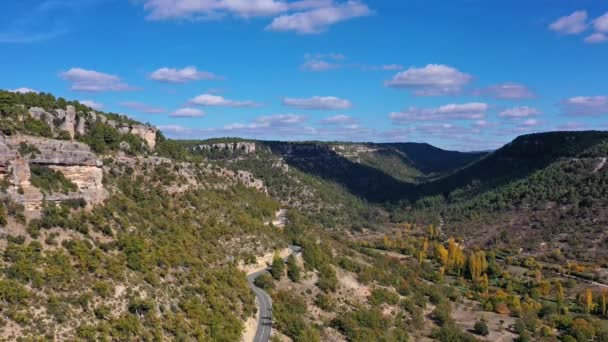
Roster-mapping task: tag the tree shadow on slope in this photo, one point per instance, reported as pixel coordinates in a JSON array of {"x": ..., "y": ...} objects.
[{"x": 364, "y": 181}]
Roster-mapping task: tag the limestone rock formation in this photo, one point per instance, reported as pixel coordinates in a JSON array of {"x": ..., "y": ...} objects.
[
  {"x": 243, "y": 147},
  {"x": 73, "y": 123},
  {"x": 73, "y": 159}
]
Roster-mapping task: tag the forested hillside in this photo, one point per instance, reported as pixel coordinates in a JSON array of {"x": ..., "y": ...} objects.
[{"x": 110, "y": 231}]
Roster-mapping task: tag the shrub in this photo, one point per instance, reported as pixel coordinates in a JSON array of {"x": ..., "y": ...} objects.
[
  {"x": 481, "y": 328},
  {"x": 265, "y": 282}
]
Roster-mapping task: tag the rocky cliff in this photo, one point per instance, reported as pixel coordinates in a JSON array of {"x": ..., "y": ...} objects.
[
  {"x": 243, "y": 147},
  {"x": 74, "y": 123},
  {"x": 72, "y": 159}
]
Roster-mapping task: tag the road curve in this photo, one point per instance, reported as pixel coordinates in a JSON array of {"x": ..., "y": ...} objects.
[{"x": 264, "y": 329}]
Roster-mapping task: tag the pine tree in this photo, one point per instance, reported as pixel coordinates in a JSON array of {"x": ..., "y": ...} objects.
[
  {"x": 278, "y": 266},
  {"x": 293, "y": 271}
]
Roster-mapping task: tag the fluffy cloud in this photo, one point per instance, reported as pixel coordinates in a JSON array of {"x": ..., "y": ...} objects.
[
  {"x": 187, "y": 112},
  {"x": 519, "y": 112},
  {"x": 317, "y": 20},
  {"x": 586, "y": 105},
  {"x": 339, "y": 120},
  {"x": 93, "y": 81},
  {"x": 529, "y": 123},
  {"x": 210, "y": 100},
  {"x": 574, "y": 23},
  {"x": 601, "y": 23},
  {"x": 24, "y": 90},
  {"x": 466, "y": 111},
  {"x": 142, "y": 107},
  {"x": 506, "y": 91},
  {"x": 92, "y": 104},
  {"x": 432, "y": 80},
  {"x": 187, "y": 74},
  {"x": 318, "y": 103},
  {"x": 596, "y": 38}
]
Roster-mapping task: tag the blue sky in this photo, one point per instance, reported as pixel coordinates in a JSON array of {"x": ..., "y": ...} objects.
[{"x": 466, "y": 75}]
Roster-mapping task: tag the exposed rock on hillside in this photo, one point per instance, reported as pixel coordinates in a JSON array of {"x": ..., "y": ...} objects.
[
  {"x": 72, "y": 159},
  {"x": 77, "y": 123},
  {"x": 244, "y": 147}
]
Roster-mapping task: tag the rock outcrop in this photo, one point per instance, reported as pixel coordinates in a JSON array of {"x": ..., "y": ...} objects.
[
  {"x": 74, "y": 123},
  {"x": 232, "y": 147},
  {"x": 73, "y": 159}
]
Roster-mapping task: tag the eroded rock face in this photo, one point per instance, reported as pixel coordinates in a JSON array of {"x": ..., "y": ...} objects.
[
  {"x": 74, "y": 124},
  {"x": 73, "y": 159},
  {"x": 70, "y": 121},
  {"x": 244, "y": 147}
]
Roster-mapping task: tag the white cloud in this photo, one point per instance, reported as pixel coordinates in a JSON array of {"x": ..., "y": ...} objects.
[
  {"x": 92, "y": 104},
  {"x": 200, "y": 9},
  {"x": 23, "y": 90},
  {"x": 389, "y": 67},
  {"x": 210, "y": 100},
  {"x": 432, "y": 80},
  {"x": 142, "y": 107},
  {"x": 319, "y": 65},
  {"x": 574, "y": 23},
  {"x": 93, "y": 81},
  {"x": 317, "y": 20},
  {"x": 187, "y": 74},
  {"x": 484, "y": 124},
  {"x": 529, "y": 123},
  {"x": 339, "y": 120},
  {"x": 333, "y": 56},
  {"x": 466, "y": 111},
  {"x": 318, "y": 103},
  {"x": 601, "y": 23},
  {"x": 281, "y": 119},
  {"x": 507, "y": 91},
  {"x": 596, "y": 38},
  {"x": 187, "y": 112},
  {"x": 586, "y": 105},
  {"x": 519, "y": 112}
]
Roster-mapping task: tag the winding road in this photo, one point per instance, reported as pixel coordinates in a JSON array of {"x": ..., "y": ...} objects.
[{"x": 264, "y": 329}]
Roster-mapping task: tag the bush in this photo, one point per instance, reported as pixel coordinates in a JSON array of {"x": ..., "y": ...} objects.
[
  {"x": 481, "y": 328},
  {"x": 265, "y": 282},
  {"x": 278, "y": 267}
]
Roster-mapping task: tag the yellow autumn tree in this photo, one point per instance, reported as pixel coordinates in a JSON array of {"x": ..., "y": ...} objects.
[
  {"x": 441, "y": 254},
  {"x": 588, "y": 301},
  {"x": 477, "y": 264},
  {"x": 456, "y": 258}
]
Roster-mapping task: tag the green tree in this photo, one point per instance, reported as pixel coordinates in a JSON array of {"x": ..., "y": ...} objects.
[
  {"x": 293, "y": 271},
  {"x": 278, "y": 267}
]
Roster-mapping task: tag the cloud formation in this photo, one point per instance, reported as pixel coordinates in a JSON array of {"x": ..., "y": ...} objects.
[
  {"x": 187, "y": 112},
  {"x": 93, "y": 81},
  {"x": 586, "y": 105},
  {"x": 23, "y": 90},
  {"x": 318, "y": 103},
  {"x": 317, "y": 20},
  {"x": 303, "y": 16},
  {"x": 319, "y": 65},
  {"x": 210, "y": 100},
  {"x": 431, "y": 80},
  {"x": 339, "y": 120},
  {"x": 92, "y": 104},
  {"x": 466, "y": 111},
  {"x": 142, "y": 107},
  {"x": 187, "y": 74},
  {"x": 574, "y": 23},
  {"x": 506, "y": 91},
  {"x": 519, "y": 112}
]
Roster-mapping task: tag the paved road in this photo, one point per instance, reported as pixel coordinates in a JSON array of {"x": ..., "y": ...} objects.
[
  {"x": 265, "y": 310},
  {"x": 262, "y": 334}
]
